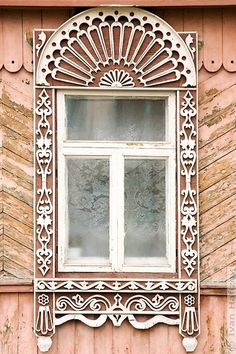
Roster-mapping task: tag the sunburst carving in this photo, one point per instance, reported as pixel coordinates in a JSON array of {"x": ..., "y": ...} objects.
[
  {"x": 116, "y": 78},
  {"x": 100, "y": 40}
]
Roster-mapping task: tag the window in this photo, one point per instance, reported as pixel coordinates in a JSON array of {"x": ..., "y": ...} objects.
[
  {"x": 116, "y": 197},
  {"x": 116, "y": 153}
]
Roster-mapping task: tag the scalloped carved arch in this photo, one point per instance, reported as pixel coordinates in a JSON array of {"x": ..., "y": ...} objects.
[{"x": 117, "y": 47}]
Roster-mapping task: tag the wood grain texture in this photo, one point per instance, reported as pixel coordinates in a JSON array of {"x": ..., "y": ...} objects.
[
  {"x": 209, "y": 23},
  {"x": 12, "y": 53},
  {"x": 217, "y": 144},
  {"x": 16, "y": 335},
  {"x": 229, "y": 28},
  {"x": 16, "y": 126},
  {"x": 217, "y": 163},
  {"x": 159, "y": 3}
]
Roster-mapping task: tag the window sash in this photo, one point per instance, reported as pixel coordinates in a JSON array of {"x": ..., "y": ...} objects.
[{"x": 116, "y": 152}]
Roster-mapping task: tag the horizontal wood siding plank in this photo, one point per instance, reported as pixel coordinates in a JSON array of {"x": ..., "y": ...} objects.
[{"x": 159, "y": 3}]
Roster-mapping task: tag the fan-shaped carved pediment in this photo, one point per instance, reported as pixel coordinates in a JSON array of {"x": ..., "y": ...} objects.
[{"x": 117, "y": 47}]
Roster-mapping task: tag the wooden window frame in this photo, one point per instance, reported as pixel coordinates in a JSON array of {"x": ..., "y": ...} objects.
[
  {"x": 172, "y": 298},
  {"x": 163, "y": 150}
]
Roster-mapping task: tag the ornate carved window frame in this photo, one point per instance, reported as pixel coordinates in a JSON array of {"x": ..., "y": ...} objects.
[{"x": 115, "y": 47}]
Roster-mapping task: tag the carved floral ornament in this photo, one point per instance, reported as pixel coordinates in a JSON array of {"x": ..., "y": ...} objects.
[{"x": 120, "y": 48}]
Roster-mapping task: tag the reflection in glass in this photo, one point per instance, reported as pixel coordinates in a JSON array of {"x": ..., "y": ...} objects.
[
  {"x": 88, "y": 209},
  {"x": 115, "y": 119},
  {"x": 145, "y": 210}
]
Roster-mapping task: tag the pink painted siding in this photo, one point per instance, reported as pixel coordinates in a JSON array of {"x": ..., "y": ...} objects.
[
  {"x": 16, "y": 335},
  {"x": 214, "y": 26}
]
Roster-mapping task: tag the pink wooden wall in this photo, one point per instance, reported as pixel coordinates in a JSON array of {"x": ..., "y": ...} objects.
[
  {"x": 75, "y": 338},
  {"x": 217, "y": 173},
  {"x": 215, "y": 27}
]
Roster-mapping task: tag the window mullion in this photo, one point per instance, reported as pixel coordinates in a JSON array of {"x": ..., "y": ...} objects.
[{"x": 117, "y": 210}]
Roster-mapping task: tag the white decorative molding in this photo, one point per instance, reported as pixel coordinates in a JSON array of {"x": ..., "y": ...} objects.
[
  {"x": 141, "y": 52},
  {"x": 189, "y": 42},
  {"x": 44, "y": 207},
  {"x": 44, "y": 320},
  {"x": 42, "y": 38},
  {"x": 96, "y": 39},
  {"x": 188, "y": 158},
  {"x": 119, "y": 285},
  {"x": 116, "y": 78},
  {"x": 190, "y": 321},
  {"x": 44, "y": 343},
  {"x": 136, "y": 304},
  {"x": 190, "y": 344}
]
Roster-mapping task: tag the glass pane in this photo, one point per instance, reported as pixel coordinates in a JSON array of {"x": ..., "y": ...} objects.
[
  {"x": 145, "y": 211},
  {"x": 88, "y": 209},
  {"x": 115, "y": 119}
]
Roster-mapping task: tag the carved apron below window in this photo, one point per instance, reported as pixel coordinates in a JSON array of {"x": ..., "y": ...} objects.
[{"x": 116, "y": 188}]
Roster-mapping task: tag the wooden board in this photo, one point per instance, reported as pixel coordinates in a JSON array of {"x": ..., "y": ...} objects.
[
  {"x": 17, "y": 337},
  {"x": 159, "y": 3}
]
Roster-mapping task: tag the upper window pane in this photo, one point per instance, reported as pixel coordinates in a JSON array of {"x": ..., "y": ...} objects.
[{"x": 115, "y": 118}]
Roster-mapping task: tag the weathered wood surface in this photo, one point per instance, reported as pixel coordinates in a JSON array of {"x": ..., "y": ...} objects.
[
  {"x": 217, "y": 176},
  {"x": 16, "y": 335},
  {"x": 217, "y": 146},
  {"x": 158, "y": 3},
  {"x": 209, "y": 23}
]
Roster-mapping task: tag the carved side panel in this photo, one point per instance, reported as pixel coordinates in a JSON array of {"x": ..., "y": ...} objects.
[
  {"x": 188, "y": 212},
  {"x": 44, "y": 186}
]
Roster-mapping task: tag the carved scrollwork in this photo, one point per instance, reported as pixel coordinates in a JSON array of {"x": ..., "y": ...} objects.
[
  {"x": 42, "y": 38},
  {"x": 97, "y": 40},
  {"x": 190, "y": 320},
  {"x": 120, "y": 285},
  {"x": 188, "y": 157},
  {"x": 44, "y": 319},
  {"x": 44, "y": 207},
  {"x": 139, "y": 304}
]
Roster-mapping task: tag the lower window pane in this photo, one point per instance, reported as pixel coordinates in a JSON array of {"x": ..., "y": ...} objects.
[
  {"x": 145, "y": 211},
  {"x": 88, "y": 210}
]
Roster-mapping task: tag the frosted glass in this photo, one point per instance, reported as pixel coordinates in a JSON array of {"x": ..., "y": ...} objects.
[
  {"x": 88, "y": 209},
  {"x": 145, "y": 210},
  {"x": 115, "y": 119}
]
